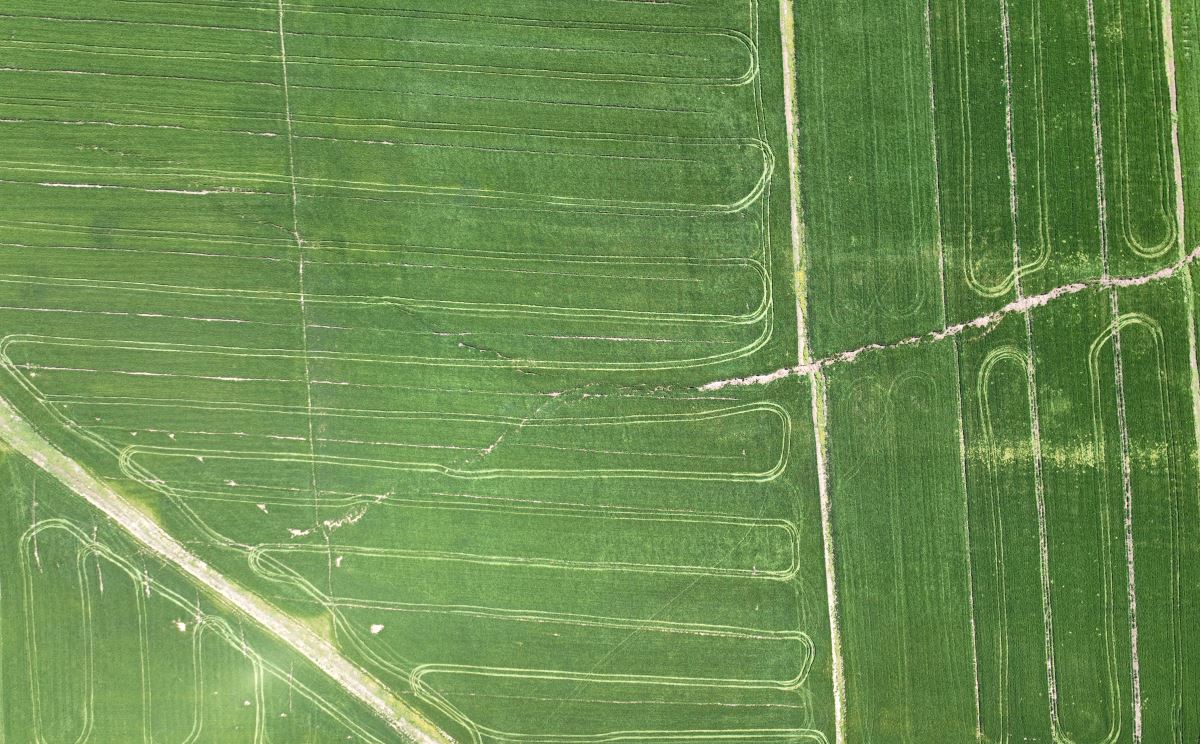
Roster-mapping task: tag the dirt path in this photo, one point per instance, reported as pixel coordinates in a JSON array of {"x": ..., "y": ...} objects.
[{"x": 22, "y": 437}]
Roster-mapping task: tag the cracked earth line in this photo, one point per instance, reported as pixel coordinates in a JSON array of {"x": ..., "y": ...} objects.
[{"x": 987, "y": 320}]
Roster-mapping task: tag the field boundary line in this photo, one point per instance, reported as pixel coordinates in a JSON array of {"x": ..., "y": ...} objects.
[
  {"x": 1168, "y": 31},
  {"x": 799, "y": 281},
  {"x": 1168, "y": 34},
  {"x": 817, "y": 395}
]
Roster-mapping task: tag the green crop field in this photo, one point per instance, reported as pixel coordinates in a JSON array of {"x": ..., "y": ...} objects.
[{"x": 582, "y": 371}]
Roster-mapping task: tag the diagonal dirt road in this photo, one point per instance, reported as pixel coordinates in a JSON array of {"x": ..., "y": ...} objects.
[{"x": 22, "y": 437}]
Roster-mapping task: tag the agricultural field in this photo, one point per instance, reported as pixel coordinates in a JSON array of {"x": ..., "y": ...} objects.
[{"x": 565, "y": 371}]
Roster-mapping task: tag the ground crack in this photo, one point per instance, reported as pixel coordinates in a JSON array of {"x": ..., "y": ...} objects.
[{"x": 985, "y": 322}]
